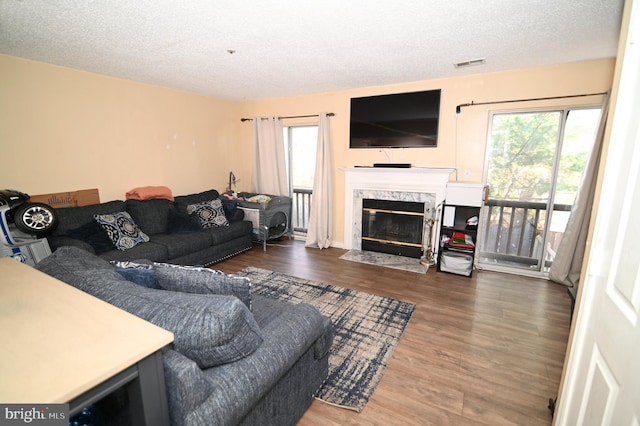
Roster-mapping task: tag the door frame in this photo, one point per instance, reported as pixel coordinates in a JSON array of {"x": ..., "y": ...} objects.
[{"x": 574, "y": 398}]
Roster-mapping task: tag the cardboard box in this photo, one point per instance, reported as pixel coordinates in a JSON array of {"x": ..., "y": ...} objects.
[{"x": 83, "y": 197}]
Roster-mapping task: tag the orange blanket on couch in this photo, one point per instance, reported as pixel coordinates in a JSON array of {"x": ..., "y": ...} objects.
[{"x": 149, "y": 192}]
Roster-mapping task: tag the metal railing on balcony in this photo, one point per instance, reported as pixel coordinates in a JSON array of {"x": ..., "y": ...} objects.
[
  {"x": 300, "y": 205},
  {"x": 513, "y": 233}
]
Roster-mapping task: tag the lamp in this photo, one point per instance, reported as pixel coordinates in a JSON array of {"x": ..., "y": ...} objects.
[{"x": 232, "y": 183}]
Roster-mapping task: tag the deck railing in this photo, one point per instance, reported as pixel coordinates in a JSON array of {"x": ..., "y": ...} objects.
[
  {"x": 301, "y": 204},
  {"x": 512, "y": 233}
]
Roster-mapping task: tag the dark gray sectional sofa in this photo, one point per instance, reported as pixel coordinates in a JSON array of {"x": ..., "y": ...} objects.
[
  {"x": 172, "y": 238},
  {"x": 236, "y": 359}
]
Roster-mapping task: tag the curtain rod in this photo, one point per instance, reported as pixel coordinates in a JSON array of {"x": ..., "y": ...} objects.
[
  {"x": 329, "y": 114},
  {"x": 525, "y": 100}
]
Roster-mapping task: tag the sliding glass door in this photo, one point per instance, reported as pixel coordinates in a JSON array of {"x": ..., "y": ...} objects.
[
  {"x": 300, "y": 151},
  {"x": 535, "y": 161}
]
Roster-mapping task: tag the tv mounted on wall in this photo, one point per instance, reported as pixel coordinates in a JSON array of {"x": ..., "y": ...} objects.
[{"x": 400, "y": 120}]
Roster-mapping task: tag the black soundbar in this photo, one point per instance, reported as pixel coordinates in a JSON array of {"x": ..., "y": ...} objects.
[{"x": 393, "y": 165}]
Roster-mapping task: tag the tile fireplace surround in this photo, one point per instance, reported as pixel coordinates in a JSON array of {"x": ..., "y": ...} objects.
[{"x": 421, "y": 184}]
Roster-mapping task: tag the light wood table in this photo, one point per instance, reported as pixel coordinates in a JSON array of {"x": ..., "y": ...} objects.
[{"x": 61, "y": 345}]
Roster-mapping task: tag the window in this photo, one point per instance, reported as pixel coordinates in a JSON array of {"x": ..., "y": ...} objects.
[{"x": 300, "y": 151}]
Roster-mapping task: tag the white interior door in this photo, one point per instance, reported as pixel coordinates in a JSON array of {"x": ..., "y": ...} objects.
[{"x": 602, "y": 377}]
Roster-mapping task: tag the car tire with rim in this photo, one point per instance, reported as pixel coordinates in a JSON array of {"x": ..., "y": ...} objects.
[{"x": 35, "y": 218}]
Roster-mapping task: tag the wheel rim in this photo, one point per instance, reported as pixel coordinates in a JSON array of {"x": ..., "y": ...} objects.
[{"x": 37, "y": 218}]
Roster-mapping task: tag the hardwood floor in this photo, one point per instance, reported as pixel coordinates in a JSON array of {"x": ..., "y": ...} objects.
[{"x": 482, "y": 351}]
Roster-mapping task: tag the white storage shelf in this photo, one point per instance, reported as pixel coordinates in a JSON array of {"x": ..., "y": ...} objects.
[
  {"x": 463, "y": 200},
  {"x": 451, "y": 258}
]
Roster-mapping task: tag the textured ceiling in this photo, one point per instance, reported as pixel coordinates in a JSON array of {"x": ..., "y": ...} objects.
[{"x": 295, "y": 47}]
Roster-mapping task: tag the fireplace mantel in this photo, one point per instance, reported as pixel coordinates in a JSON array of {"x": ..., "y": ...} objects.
[{"x": 427, "y": 184}]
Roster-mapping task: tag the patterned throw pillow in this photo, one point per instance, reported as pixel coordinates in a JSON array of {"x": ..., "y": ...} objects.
[
  {"x": 210, "y": 213},
  {"x": 121, "y": 229}
]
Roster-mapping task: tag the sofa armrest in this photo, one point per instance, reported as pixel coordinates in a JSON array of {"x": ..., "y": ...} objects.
[
  {"x": 188, "y": 390},
  {"x": 288, "y": 334},
  {"x": 322, "y": 346}
]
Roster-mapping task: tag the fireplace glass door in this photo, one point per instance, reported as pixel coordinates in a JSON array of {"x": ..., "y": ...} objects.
[{"x": 393, "y": 227}]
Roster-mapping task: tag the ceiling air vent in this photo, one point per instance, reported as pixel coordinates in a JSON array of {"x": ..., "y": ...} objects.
[{"x": 470, "y": 63}]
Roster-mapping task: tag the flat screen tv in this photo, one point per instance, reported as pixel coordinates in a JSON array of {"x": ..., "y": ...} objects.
[{"x": 400, "y": 120}]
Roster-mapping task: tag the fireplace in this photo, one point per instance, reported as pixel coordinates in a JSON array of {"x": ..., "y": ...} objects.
[
  {"x": 424, "y": 185},
  {"x": 393, "y": 227}
]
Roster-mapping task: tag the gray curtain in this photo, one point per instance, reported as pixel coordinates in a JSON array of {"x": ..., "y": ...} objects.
[
  {"x": 269, "y": 165},
  {"x": 320, "y": 216},
  {"x": 567, "y": 264}
]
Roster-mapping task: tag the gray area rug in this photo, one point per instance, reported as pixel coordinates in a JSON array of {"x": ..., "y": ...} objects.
[
  {"x": 367, "y": 329},
  {"x": 387, "y": 260}
]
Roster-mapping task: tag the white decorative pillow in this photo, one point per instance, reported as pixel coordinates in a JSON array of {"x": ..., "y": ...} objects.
[
  {"x": 210, "y": 213},
  {"x": 121, "y": 229}
]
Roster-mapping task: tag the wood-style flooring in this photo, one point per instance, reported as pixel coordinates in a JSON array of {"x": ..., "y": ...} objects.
[{"x": 482, "y": 351}]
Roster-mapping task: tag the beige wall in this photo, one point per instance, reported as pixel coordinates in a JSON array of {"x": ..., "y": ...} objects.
[
  {"x": 63, "y": 129},
  {"x": 462, "y": 137}
]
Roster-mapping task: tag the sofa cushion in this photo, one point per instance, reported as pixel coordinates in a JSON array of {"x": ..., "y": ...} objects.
[
  {"x": 94, "y": 235},
  {"x": 189, "y": 279},
  {"x": 231, "y": 210},
  {"x": 183, "y": 201},
  {"x": 222, "y": 234},
  {"x": 145, "y": 277},
  {"x": 57, "y": 241},
  {"x": 151, "y": 250},
  {"x": 209, "y": 329},
  {"x": 74, "y": 217},
  {"x": 121, "y": 229},
  {"x": 181, "y": 223},
  {"x": 234, "y": 215},
  {"x": 152, "y": 216},
  {"x": 179, "y": 245},
  {"x": 67, "y": 262},
  {"x": 210, "y": 213}
]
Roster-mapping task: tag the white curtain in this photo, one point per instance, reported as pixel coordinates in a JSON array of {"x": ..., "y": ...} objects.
[
  {"x": 567, "y": 264},
  {"x": 320, "y": 215},
  {"x": 269, "y": 165}
]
